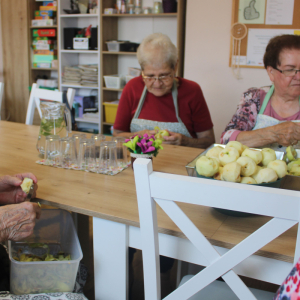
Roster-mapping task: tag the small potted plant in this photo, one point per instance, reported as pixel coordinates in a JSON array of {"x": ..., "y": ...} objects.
[{"x": 143, "y": 146}]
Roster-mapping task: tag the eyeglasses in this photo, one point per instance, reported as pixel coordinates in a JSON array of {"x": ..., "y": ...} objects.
[
  {"x": 288, "y": 73},
  {"x": 151, "y": 79}
]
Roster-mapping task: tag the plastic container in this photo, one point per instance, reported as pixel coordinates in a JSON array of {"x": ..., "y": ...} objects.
[
  {"x": 110, "y": 111},
  {"x": 128, "y": 78},
  {"x": 56, "y": 229},
  {"x": 117, "y": 46},
  {"x": 114, "y": 81},
  {"x": 134, "y": 72}
]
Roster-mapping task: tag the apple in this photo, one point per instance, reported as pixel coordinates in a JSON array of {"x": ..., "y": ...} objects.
[
  {"x": 279, "y": 166},
  {"x": 258, "y": 168},
  {"x": 248, "y": 165},
  {"x": 164, "y": 133},
  {"x": 266, "y": 175},
  {"x": 228, "y": 155},
  {"x": 214, "y": 152},
  {"x": 268, "y": 155},
  {"x": 248, "y": 180},
  {"x": 207, "y": 166},
  {"x": 245, "y": 147},
  {"x": 237, "y": 145},
  {"x": 291, "y": 153},
  {"x": 254, "y": 154},
  {"x": 218, "y": 175},
  {"x": 232, "y": 172},
  {"x": 293, "y": 163},
  {"x": 295, "y": 170}
]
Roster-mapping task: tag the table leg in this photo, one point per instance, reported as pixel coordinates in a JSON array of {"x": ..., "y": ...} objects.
[{"x": 110, "y": 259}]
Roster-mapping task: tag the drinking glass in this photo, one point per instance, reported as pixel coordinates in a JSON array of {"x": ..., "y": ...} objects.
[
  {"x": 122, "y": 152},
  {"x": 98, "y": 139},
  {"x": 52, "y": 149},
  {"x": 67, "y": 152},
  {"x": 77, "y": 138},
  {"x": 108, "y": 158},
  {"x": 86, "y": 158}
]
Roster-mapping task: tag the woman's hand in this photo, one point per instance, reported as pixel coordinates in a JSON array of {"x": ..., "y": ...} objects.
[
  {"x": 287, "y": 133},
  {"x": 18, "y": 220},
  {"x": 11, "y": 191},
  {"x": 174, "y": 138},
  {"x": 142, "y": 132}
]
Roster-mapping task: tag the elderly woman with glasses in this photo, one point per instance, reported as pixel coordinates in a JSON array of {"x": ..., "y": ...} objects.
[
  {"x": 270, "y": 116},
  {"x": 160, "y": 99}
]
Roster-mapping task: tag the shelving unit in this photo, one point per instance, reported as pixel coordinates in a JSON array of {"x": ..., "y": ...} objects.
[
  {"x": 134, "y": 28},
  {"x": 76, "y": 57},
  {"x": 34, "y": 72}
]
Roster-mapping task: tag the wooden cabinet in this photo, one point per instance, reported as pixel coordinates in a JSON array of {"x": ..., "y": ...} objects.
[{"x": 134, "y": 28}]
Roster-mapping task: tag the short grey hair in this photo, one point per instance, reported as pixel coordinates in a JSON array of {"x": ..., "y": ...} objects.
[{"x": 157, "y": 49}]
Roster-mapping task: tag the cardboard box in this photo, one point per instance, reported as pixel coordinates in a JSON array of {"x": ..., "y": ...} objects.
[
  {"x": 42, "y": 65},
  {"x": 43, "y": 58},
  {"x": 44, "y": 32},
  {"x": 45, "y": 52},
  {"x": 41, "y": 13},
  {"x": 53, "y": 8},
  {"x": 49, "y": 3},
  {"x": 81, "y": 43},
  {"x": 42, "y": 22},
  {"x": 54, "y": 64}
]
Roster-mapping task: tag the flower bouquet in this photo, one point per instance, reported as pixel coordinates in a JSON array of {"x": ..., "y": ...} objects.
[{"x": 143, "y": 146}]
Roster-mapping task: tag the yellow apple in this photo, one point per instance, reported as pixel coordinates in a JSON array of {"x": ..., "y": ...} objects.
[
  {"x": 214, "y": 152},
  {"x": 266, "y": 175},
  {"x": 207, "y": 166},
  {"x": 291, "y": 153},
  {"x": 248, "y": 180},
  {"x": 228, "y": 155},
  {"x": 232, "y": 172},
  {"x": 268, "y": 155},
  {"x": 26, "y": 184},
  {"x": 254, "y": 154},
  {"x": 248, "y": 166},
  {"x": 279, "y": 166},
  {"x": 237, "y": 145}
]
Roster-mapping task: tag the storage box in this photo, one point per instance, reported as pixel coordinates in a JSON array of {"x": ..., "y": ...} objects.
[
  {"x": 80, "y": 43},
  {"x": 42, "y": 22},
  {"x": 114, "y": 81},
  {"x": 134, "y": 72},
  {"x": 116, "y": 46},
  {"x": 55, "y": 228},
  {"x": 44, "y": 32},
  {"x": 110, "y": 111}
]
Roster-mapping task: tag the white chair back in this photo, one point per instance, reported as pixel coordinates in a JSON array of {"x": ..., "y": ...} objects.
[
  {"x": 36, "y": 94},
  {"x": 167, "y": 189},
  {"x": 1, "y": 95}
]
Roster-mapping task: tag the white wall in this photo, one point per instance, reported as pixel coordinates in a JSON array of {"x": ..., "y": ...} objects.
[{"x": 207, "y": 59}]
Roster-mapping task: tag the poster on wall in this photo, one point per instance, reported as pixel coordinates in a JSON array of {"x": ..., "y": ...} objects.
[
  {"x": 257, "y": 43},
  {"x": 280, "y": 12},
  {"x": 252, "y": 11}
]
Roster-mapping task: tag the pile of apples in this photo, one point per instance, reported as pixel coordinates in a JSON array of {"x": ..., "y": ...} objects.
[{"x": 238, "y": 163}]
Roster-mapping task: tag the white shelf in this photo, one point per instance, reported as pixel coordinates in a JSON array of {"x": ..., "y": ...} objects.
[
  {"x": 80, "y": 51},
  {"x": 79, "y": 16},
  {"x": 87, "y": 120},
  {"x": 80, "y": 86}
]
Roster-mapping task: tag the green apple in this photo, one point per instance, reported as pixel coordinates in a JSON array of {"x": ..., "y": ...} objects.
[
  {"x": 164, "y": 132},
  {"x": 266, "y": 175},
  {"x": 248, "y": 180},
  {"x": 291, "y": 153},
  {"x": 293, "y": 163},
  {"x": 232, "y": 172},
  {"x": 254, "y": 154},
  {"x": 207, "y": 166},
  {"x": 279, "y": 166},
  {"x": 295, "y": 170},
  {"x": 237, "y": 145},
  {"x": 248, "y": 166},
  {"x": 228, "y": 155},
  {"x": 268, "y": 155}
]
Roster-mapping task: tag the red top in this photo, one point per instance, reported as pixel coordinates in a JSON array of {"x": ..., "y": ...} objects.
[{"x": 192, "y": 107}]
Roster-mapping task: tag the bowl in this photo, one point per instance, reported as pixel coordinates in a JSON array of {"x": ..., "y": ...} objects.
[{"x": 275, "y": 184}]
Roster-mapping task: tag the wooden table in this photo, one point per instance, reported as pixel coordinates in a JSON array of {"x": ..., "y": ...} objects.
[{"x": 111, "y": 200}]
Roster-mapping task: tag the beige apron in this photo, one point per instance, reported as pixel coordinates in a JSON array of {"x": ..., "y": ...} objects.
[
  {"x": 263, "y": 121},
  {"x": 142, "y": 124}
]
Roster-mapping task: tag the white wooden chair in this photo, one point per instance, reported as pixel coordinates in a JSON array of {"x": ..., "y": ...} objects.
[
  {"x": 36, "y": 94},
  {"x": 1, "y": 95},
  {"x": 167, "y": 189}
]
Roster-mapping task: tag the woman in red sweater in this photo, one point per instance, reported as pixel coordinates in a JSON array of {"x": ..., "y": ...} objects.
[{"x": 159, "y": 98}]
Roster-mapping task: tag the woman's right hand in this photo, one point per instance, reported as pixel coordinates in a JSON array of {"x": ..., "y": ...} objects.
[
  {"x": 287, "y": 133},
  {"x": 18, "y": 220}
]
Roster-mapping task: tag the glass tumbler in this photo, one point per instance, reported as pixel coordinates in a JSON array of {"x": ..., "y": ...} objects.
[
  {"x": 108, "y": 158},
  {"x": 87, "y": 159},
  {"x": 67, "y": 152},
  {"x": 52, "y": 149},
  {"x": 98, "y": 139},
  {"x": 122, "y": 152},
  {"x": 76, "y": 137}
]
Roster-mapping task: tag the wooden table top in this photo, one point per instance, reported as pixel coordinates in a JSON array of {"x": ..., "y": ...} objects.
[{"x": 114, "y": 198}]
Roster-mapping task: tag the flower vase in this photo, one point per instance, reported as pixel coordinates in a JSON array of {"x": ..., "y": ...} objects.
[{"x": 134, "y": 156}]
